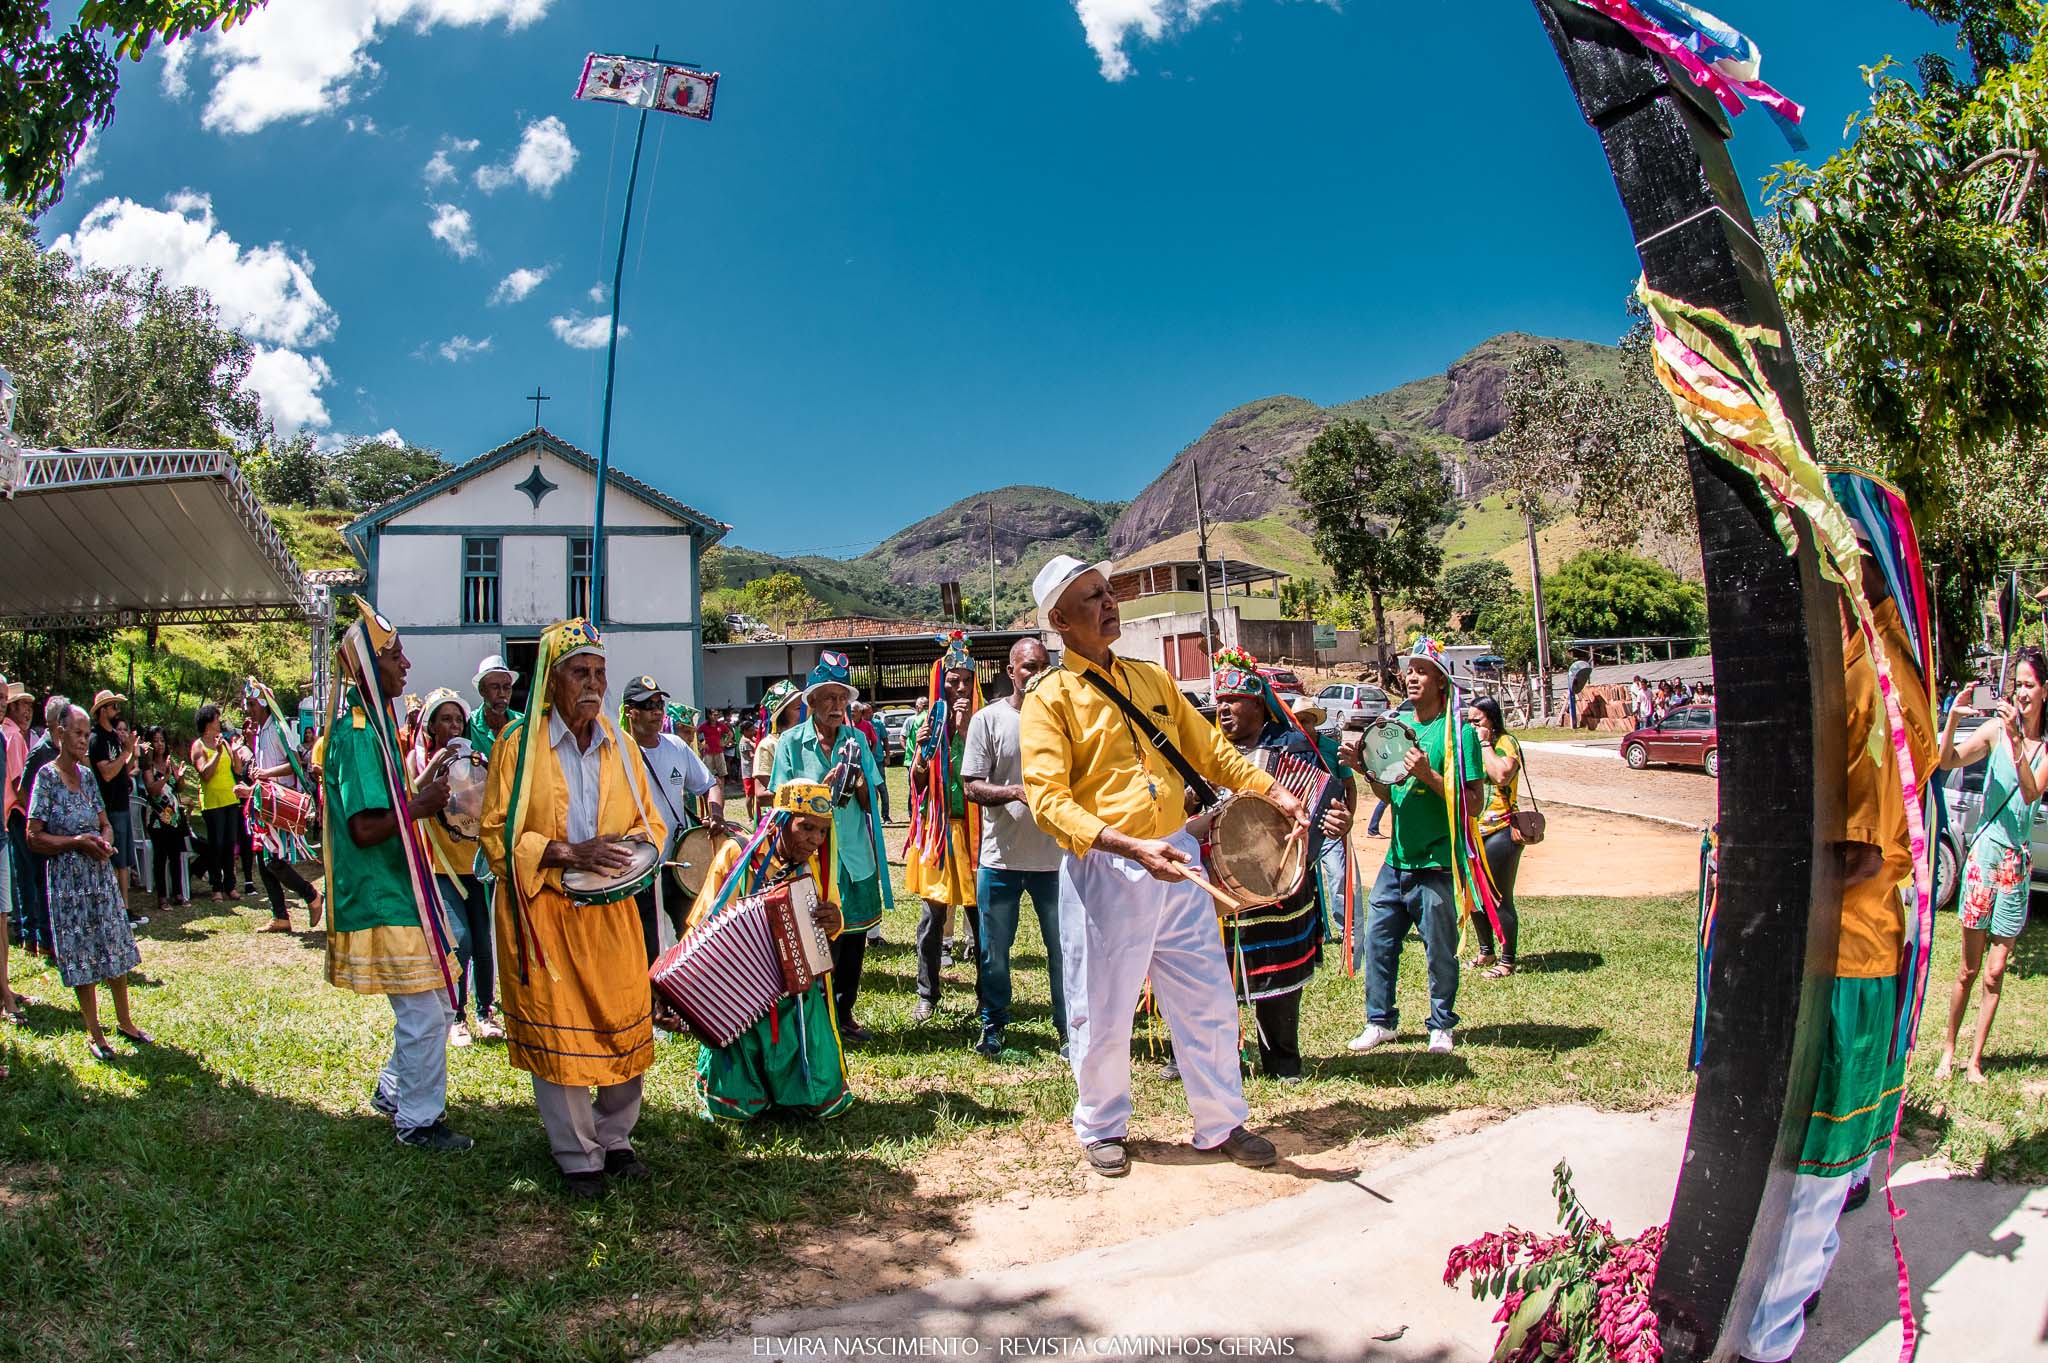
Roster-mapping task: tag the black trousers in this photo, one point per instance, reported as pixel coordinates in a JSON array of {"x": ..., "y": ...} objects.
[
  {"x": 277, "y": 875},
  {"x": 167, "y": 860},
  {"x": 1279, "y": 1034},
  {"x": 849, "y": 954},
  {"x": 219, "y": 842},
  {"x": 246, "y": 841},
  {"x": 931, "y": 935},
  {"x": 1503, "y": 861}
]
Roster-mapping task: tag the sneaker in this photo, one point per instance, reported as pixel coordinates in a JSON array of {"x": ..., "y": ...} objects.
[
  {"x": 624, "y": 1164},
  {"x": 139, "y": 921},
  {"x": 1108, "y": 1159},
  {"x": 387, "y": 1106},
  {"x": 248, "y": 889},
  {"x": 487, "y": 1028},
  {"x": 1859, "y": 1193},
  {"x": 437, "y": 1138},
  {"x": 1373, "y": 1036},
  {"x": 875, "y": 937},
  {"x": 991, "y": 1043},
  {"x": 458, "y": 1033},
  {"x": 588, "y": 1185},
  {"x": 1288, "y": 1079},
  {"x": 852, "y": 1033},
  {"x": 1439, "y": 1041},
  {"x": 1252, "y": 1151},
  {"x": 946, "y": 956},
  {"x": 924, "y": 1010},
  {"x": 1170, "y": 1070}
]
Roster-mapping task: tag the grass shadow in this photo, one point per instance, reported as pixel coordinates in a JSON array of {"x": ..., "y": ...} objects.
[
  {"x": 1559, "y": 962},
  {"x": 1531, "y": 1036}
]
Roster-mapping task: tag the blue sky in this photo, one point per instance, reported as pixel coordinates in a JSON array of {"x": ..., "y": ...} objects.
[{"x": 927, "y": 246}]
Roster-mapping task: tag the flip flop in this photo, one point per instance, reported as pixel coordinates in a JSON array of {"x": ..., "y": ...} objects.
[
  {"x": 102, "y": 1052},
  {"x": 140, "y": 1038},
  {"x": 1499, "y": 972}
]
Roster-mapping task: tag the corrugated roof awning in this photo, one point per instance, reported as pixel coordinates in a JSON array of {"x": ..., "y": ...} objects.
[{"x": 95, "y": 538}]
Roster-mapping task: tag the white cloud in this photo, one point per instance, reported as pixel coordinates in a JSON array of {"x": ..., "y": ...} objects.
[
  {"x": 85, "y": 168},
  {"x": 459, "y": 348},
  {"x": 309, "y": 59},
  {"x": 264, "y": 292},
  {"x": 177, "y": 83},
  {"x": 289, "y": 384},
  {"x": 514, "y": 287},
  {"x": 545, "y": 157},
  {"x": 440, "y": 166},
  {"x": 390, "y": 436},
  {"x": 583, "y": 333},
  {"x": 597, "y": 294},
  {"x": 452, "y": 227},
  {"x": 1108, "y": 24}
]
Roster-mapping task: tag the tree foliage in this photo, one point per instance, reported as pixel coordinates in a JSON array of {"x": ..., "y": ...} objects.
[
  {"x": 58, "y": 88},
  {"x": 1374, "y": 507},
  {"x": 116, "y": 358},
  {"x": 1461, "y": 594},
  {"x": 360, "y": 475},
  {"x": 1609, "y": 594},
  {"x": 781, "y": 600}
]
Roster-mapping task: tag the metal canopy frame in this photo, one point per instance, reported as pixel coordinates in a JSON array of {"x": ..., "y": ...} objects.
[{"x": 101, "y": 538}]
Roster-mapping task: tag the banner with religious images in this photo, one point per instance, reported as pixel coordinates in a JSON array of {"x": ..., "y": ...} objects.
[{"x": 641, "y": 84}]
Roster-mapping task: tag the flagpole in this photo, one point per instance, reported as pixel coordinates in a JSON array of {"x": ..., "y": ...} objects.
[{"x": 611, "y": 364}]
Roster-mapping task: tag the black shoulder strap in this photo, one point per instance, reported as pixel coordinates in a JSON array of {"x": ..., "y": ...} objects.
[{"x": 1205, "y": 794}]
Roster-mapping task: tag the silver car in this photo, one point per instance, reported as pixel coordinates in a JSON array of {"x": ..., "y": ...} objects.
[
  {"x": 1343, "y": 700},
  {"x": 1964, "y": 792}
]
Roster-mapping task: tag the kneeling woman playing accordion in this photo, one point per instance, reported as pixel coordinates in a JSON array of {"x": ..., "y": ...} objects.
[{"x": 789, "y": 1059}]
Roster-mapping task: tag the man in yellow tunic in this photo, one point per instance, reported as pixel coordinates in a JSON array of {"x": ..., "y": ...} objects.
[
  {"x": 387, "y": 933},
  {"x": 565, "y": 796}
]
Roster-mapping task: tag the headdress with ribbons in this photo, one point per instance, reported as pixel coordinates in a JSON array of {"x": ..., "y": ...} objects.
[
  {"x": 929, "y": 814},
  {"x": 355, "y": 662},
  {"x": 289, "y": 846}
]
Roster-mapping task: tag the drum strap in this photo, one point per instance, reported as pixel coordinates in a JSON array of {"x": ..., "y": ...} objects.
[
  {"x": 1205, "y": 794},
  {"x": 675, "y": 816}
]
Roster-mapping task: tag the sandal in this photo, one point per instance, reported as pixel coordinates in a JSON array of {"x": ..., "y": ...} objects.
[
  {"x": 1483, "y": 960},
  {"x": 138, "y": 1036},
  {"x": 1500, "y": 971},
  {"x": 102, "y": 1052}
]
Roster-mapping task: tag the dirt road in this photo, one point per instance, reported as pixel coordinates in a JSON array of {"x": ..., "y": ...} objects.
[
  {"x": 1587, "y": 853},
  {"x": 1595, "y": 776}
]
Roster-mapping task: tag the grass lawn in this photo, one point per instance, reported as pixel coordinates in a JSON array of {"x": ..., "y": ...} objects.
[{"x": 229, "y": 1194}]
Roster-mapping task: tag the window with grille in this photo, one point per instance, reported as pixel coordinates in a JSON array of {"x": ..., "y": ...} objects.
[
  {"x": 579, "y": 581},
  {"x": 479, "y": 581}
]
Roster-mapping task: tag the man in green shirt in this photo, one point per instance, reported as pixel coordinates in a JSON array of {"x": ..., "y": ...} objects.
[
  {"x": 386, "y": 932},
  {"x": 494, "y": 683},
  {"x": 812, "y": 751},
  {"x": 1414, "y": 889}
]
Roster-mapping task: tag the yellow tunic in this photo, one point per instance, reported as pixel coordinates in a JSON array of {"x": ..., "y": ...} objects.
[
  {"x": 1873, "y": 937},
  {"x": 585, "y": 1018}
]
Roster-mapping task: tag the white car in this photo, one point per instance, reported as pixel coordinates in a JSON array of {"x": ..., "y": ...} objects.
[{"x": 1343, "y": 700}]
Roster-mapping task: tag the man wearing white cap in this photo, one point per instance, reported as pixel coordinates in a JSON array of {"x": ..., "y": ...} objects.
[
  {"x": 494, "y": 683},
  {"x": 1104, "y": 743}
]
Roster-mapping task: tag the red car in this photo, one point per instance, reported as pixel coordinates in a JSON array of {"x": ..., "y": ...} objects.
[{"x": 1688, "y": 736}]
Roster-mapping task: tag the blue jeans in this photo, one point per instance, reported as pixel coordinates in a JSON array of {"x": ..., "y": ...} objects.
[
  {"x": 30, "y": 889},
  {"x": 1001, "y": 896},
  {"x": 469, "y": 921},
  {"x": 1402, "y": 900},
  {"x": 1372, "y": 825}
]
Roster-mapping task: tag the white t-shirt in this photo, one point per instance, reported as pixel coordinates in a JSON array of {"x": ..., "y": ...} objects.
[
  {"x": 676, "y": 773},
  {"x": 1011, "y": 839}
]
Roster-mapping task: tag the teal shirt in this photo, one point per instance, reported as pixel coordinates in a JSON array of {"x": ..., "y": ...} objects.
[
  {"x": 798, "y": 757},
  {"x": 1422, "y": 824},
  {"x": 480, "y": 736},
  {"x": 372, "y": 888},
  {"x": 956, "y": 789},
  {"x": 2010, "y": 826}
]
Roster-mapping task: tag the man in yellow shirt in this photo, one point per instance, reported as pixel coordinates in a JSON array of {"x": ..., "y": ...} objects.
[{"x": 1114, "y": 800}]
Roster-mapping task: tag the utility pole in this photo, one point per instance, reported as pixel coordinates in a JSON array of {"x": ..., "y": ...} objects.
[
  {"x": 992, "y": 622},
  {"x": 1542, "y": 627},
  {"x": 1202, "y": 548}
]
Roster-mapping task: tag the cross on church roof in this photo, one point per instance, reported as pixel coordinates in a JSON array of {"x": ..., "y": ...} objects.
[{"x": 537, "y": 397}]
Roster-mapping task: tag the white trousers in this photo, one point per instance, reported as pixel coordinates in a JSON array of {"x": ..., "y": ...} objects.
[
  {"x": 582, "y": 1129},
  {"x": 1806, "y": 1250},
  {"x": 1117, "y": 926},
  {"x": 415, "y": 1079}
]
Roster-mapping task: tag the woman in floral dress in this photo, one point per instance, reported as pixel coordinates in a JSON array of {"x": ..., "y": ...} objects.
[
  {"x": 1998, "y": 875},
  {"x": 88, "y": 919}
]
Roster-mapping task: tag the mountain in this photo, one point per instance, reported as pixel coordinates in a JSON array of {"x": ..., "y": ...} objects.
[{"x": 1246, "y": 455}]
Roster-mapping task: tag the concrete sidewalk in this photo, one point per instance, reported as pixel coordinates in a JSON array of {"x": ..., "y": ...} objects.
[{"x": 1353, "y": 1269}]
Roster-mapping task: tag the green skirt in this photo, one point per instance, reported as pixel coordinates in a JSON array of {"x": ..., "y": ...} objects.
[
  {"x": 860, "y": 901},
  {"x": 1857, "y": 1099},
  {"x": 790, "y": 1059}
]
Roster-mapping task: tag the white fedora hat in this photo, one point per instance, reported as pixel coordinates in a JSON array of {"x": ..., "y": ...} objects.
[{"x": 1054, "y": 579}]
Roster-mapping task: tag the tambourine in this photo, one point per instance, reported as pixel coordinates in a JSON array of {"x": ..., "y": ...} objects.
[
  {"x": 1383, "y": 751},
  {"x": 609, "y": 887}
]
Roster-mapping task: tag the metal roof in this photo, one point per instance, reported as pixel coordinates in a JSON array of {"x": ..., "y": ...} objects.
[
  {"x": 95, "y": 538},
  {"x": 355, "y": 533}
]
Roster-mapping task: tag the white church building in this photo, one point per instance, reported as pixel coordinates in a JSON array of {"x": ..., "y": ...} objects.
[{"x": 485, "y": 557}]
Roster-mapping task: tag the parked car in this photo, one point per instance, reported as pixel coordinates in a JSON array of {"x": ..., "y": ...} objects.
[
  {"x": 1342, "y": 700},
  {"x": 1688, "y": 737},
  {"x": 892, "y": 722},
  {"x": 1963, "y": 791},
  {"x": 1286, "y": 685}
]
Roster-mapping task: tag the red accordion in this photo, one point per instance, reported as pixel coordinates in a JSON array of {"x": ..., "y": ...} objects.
[{"x": 726, "y": 976}]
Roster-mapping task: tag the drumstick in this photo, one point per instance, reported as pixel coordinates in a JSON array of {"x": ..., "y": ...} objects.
[{"x": 1226, "y": 899}]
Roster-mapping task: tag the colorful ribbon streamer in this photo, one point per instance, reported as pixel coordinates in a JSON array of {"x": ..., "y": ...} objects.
[{"x": 1718, "y": 58}]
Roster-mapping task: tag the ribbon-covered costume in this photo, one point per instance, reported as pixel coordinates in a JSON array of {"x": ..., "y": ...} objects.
[
  {"x": 943, "y": 854},
  {"x": 792, "y": 1058}
]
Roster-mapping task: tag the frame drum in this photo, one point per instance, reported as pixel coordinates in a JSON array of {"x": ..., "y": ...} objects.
[
  {"x": 694, "y": 851},
  {"x": 609, "y": 887},
  {"x": 1251, "y": 854}
]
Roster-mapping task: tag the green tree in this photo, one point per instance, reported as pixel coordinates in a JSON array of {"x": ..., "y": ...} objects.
[
  {"x": 717, "y": 625},
  {"x": 58, "y": 88},
  {"x": 1508, "y": 624},
  {"x": 372, "y": 472},
  {"x": 116, "y": 358},
  {"x": 1608, "y": 594},
  {"x": 293, "y": 472},
  {"x": 1461, "y": 593},
  {"x": 781, "y": 600},
  {"x": 1374, "y": 507}
]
